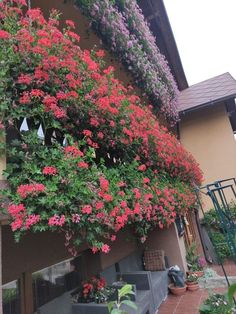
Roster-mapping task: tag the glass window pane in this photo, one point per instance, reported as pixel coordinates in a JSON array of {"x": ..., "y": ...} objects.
[
  {"x": 11, "y": 298},
  {"x": 51, "y": 286}
]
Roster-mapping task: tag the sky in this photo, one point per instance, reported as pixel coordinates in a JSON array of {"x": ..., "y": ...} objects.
[{"x": 205, "y": 33}]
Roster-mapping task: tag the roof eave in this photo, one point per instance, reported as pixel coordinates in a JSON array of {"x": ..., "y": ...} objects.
[{"x": 207, "y": 104}]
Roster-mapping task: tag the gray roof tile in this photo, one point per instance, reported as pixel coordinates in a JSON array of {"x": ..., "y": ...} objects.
[{"x": 212, "y": 90}]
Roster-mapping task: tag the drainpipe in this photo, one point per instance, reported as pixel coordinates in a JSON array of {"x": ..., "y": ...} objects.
[{"x": 200, "y": 235}]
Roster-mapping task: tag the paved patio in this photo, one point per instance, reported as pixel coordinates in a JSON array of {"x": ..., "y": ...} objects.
[
  {"x": 189, "y": 302},
  {"x": 186, "y": 304}
]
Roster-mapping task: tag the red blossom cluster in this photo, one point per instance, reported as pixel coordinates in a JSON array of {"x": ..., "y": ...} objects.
[
  {"x": 30, "y": 189},
  {"x": 50, "y": 170},
  {"x": 92, "y": 286}
]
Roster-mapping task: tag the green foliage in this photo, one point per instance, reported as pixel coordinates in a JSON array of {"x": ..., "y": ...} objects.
[
  {"x": 212, "y": 222},
  {"x": 8, "y": 295},
  {"x": 116, "y": 307},
  {"x": 219, "y": 303}
]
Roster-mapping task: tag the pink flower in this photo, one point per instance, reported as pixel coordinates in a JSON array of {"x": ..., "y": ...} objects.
[
  {"x": 142, "y": 168},
  {"x": 109, "y": 70},
  {"x": 73, "y": 151},
  {"x": 83, "y": 164},
  {"x": 100, "y": 53},
  {"x": 24, "y": 79},
  {"x": 99, "y": 205},
  {"x": 108, "y": 197},
  {"x": 87, "y": 209},
  {"x": 26, "y": 189},
  {"x": 113, "y": 237},
  {"x": 75, "y": 218},
  {"x": 87, "y": 133},
  {"x": 100, "y": 135},
  {"x": 70, "y": 23},
  {"x": 123, "y": 204},
  {"x": 4, "y": 35},
  {"x": 17, "y": 224},
  {"x": 49, "y": 170},
  {"x": 94, "y": 249},
  {"x": 104, "y": 184},
  {"x": 15, "y": 210},
  {"x": 31, "y": 220},
  {"x": 57, "y": 220},
  {"x": 112, "y": 124},
  {"x": 146, "y": 180},
  {"x": 105, "y": 248}
]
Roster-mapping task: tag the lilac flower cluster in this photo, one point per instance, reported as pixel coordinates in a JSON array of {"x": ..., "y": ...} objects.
[{"x": 123, "y": 28}]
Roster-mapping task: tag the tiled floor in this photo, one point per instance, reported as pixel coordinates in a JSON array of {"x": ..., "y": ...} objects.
[
  {"x": 189, "y": 302},
  {"x": 229, "y": 266},
  {"x": 186, "y": 304}
]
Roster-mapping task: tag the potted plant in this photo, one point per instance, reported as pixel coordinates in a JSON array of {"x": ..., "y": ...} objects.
[
  {"x": 123, "y": 301},
  {"x": 192, "y": 282},
  {"x": 92, "y": 296},
  {"x": 178, "y": 287},
  {"x": 195, "y": 263}
]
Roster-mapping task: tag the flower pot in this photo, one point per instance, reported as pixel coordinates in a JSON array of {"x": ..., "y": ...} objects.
[
  {"x": 192, "y": 286},
  {"x": 177, "y": 290},
  {"x": 89, "y": 308}
]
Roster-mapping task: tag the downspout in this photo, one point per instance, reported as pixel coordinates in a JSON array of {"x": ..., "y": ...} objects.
[{"x": 207, "y": 257}]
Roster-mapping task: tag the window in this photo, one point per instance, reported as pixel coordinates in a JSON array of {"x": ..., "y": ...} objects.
[
  {"x": 51, "y": 286},
  {"x": 11, "y": 298}
]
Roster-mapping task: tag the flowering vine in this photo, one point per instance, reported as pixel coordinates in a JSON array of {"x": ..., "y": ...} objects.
[
  {"x": 124, "y": 30},
  {"x": 85, "y": 157}
]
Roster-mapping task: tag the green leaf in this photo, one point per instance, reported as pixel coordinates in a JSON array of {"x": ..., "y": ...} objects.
[
  {"x": 124, "y": 291},
  {"x": 115, "y": 311},
  {"x": 110, "y": 306},
  {"x": 231, "y": 293},
  {"x": 130, "y": 304}
]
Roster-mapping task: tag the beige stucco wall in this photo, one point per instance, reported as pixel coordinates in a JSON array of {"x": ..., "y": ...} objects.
[
  {"x": 168, "y": 240},
  {"x": 208, "y": 135}
]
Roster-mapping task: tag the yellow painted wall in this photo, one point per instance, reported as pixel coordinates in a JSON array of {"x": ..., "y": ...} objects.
[{"x": 208, "y": 135}]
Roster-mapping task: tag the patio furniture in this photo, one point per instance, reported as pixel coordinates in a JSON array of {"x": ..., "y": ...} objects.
[{"x": 152, "y": 286}]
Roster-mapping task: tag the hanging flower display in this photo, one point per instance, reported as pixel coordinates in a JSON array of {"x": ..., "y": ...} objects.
[
  {"x": 124, "y": 30},
  {"x": 85, "y": 156}
]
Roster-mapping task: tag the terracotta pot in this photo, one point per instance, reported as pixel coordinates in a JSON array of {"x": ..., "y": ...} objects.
[
  {"x": 192, "y": 286},
  {"x": 177, "y": 290}
]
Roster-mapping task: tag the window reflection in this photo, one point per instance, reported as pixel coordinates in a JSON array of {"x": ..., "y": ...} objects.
[
  {"x": 51, "y": 285},
  {"x": 11, "y": 298}
]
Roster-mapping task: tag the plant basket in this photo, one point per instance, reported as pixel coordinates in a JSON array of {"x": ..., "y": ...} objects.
[{"x": 177, "y": 290}]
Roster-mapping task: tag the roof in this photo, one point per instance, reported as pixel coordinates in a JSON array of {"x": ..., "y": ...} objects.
[
  {"x": 216, "y": 89},
  {"x": 156, "y": 15}
]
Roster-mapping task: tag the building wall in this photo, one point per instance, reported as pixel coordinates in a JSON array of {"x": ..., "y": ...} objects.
[
  {"x": 168, "y": 240},
  {"x": 208, "y": 135}
]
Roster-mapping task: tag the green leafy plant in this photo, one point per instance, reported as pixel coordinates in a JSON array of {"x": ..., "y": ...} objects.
[
  {"x": 212, "y": 223},
  {"x": 220, "y": 303},
  {"x": 192, "y": 278},
  {"x": 194, "y": 261},
  {"x": 117, "y": 307}
]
